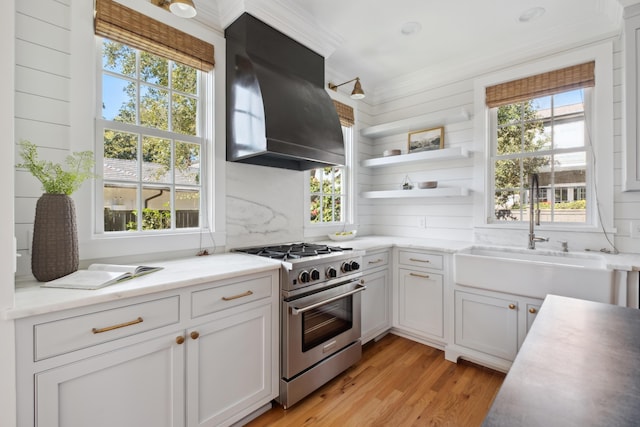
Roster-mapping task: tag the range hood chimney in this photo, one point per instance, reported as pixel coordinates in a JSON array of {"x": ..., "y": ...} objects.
[{"x": 278, "y": 112}]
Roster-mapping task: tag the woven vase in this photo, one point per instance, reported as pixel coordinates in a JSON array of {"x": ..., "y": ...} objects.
[{"x": 54, "y": 252}]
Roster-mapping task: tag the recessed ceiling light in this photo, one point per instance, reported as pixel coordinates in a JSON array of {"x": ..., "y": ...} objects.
[
  {"x": 531, "y": 14},
  {"x": 411, "y": 28}
]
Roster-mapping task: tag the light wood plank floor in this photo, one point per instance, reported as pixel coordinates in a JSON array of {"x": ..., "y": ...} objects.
[{"x": 397, "y": 382}]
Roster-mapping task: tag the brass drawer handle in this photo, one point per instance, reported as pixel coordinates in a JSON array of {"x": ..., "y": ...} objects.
[
  {"x": 245, "y": 294},
  {"x": 194, "y": 335},
  {"x": 512, "y": 306},
  {"x": 121, "y": 325},
  {"x": 376, "y": 261},
  {"x": 179, "y": 339},
  {"x": 424, "y": 276},
  {"x": 533, "y": 310},
  {"x": 419, "y": 260}
]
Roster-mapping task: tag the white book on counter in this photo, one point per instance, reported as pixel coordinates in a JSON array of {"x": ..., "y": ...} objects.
[{"x": 97, "y": 276}]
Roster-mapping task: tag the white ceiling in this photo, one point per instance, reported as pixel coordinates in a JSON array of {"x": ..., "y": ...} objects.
[{"x": 458, "y": 38}]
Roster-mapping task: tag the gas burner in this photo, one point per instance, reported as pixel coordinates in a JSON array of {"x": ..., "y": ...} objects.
[{"x": 292, "y": 251}]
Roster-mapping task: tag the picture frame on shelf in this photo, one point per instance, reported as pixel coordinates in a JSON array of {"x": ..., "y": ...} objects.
[{"x": 426, "y": 140}]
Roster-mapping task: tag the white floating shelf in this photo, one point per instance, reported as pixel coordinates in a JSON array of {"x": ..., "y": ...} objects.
[
  {"x": 440, "y": 118},
  {"x": 430, "y": 192},
  {"x": 421, "y": 156}
]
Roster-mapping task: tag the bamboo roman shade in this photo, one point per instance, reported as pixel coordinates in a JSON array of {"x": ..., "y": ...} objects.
[
  {"x": 124, "y": 25},
  {"x": 565, "y": 79},
  {"x": 345, "y": 114}
]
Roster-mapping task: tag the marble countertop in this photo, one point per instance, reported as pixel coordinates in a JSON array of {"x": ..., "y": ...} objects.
[
  {"x": 32, "y": 299},
  {"x": 578, "y": 366}
]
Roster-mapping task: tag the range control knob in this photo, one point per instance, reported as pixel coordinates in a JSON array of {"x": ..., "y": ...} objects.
[
  {"x": 355, "y": 266},
  {"x": 315, "y": 274},
  {"x": 304, "y": 277},
  {"x": 331, "y": 272},
  {"x": 346, "y": 267}
]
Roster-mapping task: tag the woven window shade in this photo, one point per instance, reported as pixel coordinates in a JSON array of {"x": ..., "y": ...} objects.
[
  {"x": 345, "y": 113},
  {"x": 574, "y": 77},
  {"x": 124, "y": 25}
]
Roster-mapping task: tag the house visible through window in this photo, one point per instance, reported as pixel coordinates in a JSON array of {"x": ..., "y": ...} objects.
[
  {"x": 543, "y": 135},
  {"x": 151, "y": 142}
]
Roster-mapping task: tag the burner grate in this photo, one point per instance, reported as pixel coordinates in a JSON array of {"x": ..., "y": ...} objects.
[{"x": 292, "y": 251}]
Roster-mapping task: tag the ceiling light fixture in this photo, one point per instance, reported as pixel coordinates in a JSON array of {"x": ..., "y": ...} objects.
[
  {"x": 531, "y": 14},
  {"x": 356, "y": 93},
  {"x": 181, "y": 8}
]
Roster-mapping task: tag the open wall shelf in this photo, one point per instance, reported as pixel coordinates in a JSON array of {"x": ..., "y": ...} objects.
[
  {"x": 430, "y": 192},
  {"x": 422, "y": 156},
  {"x": 439, "y": 118}
]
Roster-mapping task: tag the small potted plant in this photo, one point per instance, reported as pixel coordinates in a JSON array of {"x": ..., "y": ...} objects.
[{"x": 54, "y": 249}]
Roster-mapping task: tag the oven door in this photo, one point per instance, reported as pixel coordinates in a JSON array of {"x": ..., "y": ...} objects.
[{"x": 318, "y": 325}]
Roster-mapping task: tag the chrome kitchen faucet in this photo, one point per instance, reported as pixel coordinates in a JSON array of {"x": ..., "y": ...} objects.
[{"x": 534, "y": 189}]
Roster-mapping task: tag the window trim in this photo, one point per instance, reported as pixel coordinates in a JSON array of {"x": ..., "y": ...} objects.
[
  {"x": 205, "y": 105},
  {"x": 602, "y": 133}
]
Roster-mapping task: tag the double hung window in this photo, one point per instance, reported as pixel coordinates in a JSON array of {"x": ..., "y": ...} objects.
[{"x": 542, "y": 131}]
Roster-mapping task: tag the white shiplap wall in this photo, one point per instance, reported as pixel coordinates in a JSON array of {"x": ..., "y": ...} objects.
[
  {"x": 42, "y": 99},
  {"x": 445, "y": 218}
]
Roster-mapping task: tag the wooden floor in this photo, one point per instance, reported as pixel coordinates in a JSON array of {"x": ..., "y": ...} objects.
[{"x": 397, "y": 382}]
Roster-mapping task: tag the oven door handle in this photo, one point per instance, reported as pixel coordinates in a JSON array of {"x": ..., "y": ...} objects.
[{"x": 295, "y": 311}]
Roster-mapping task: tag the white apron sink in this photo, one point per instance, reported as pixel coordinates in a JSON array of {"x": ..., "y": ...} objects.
[{"x": 535, "y": 273}]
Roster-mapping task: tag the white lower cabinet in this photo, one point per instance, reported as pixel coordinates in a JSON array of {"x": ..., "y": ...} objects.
[
  {"x": 201, "y": 356},
  {"x": 376, "y": 309},
  {"x": 487, "y": 324},
  {"x": 490, "y": 326},
  {"x": 229, "y": 366},
  {"x": 421, "y": 302},
  {"x": 140, "y": 385}
]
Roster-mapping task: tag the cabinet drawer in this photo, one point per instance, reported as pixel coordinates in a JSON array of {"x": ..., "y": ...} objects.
[
  {"x": 376, "y": 260},
  {"x": 420, "y": 259},
  {"x": 210, "y": 300},
  {"x": 74, "y": 333}
]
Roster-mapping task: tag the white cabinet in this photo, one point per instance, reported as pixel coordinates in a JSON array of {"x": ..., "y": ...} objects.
[
  {"x": 487, "y": 324},
  {"x": 206, "y": 355},
  {"x": 376, "y": 317},
  {"x": 490, "y": 326},
  {"x": 139, "y": 385},
  {"x": 631, "y": 161},
  {"x": 229, "y": 366},
  {"x": 420, "y": 294}
]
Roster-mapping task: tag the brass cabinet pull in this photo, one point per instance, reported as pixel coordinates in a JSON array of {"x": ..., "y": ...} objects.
[
  {"x": 121, "y": 325},
  {"x": 419, "y": 260},
  {"x": 245, "y": 294},
  {"x": 179, "y": 339},
  {"x": 512, "y": 306},
  {"x": 195, "y": 335},
  {"x": 376, "y": 261},
  {"x": 424, "y": 276},
  {"x": 532, "y": 310}
]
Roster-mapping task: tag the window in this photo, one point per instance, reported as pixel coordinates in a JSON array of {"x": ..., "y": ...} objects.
[
  {"x": 149, "y": 135},
  {"x": 328, "y": 186},
  {"x": 543, "y": 135}
]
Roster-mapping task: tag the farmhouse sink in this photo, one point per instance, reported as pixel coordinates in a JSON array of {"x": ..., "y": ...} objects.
[{"x": 535, "y": 273}]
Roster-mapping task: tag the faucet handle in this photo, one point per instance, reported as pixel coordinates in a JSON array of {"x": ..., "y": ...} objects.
[{"x": 565, "y": 245}]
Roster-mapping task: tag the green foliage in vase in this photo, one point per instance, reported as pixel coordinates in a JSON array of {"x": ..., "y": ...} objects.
[{"x": 54, "y": 178}]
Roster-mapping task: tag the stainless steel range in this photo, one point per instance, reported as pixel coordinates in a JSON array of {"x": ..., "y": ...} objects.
[{"x": 320, "y": 314}]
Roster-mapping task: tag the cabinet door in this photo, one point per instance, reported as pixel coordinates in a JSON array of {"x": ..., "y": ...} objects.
[
  {"x": 229, "y": 367},
  {"x": 421, "y": 302},
  {"x": 532, "y": 312},
  {"x": 140, "y": 385},
  {"x": 487, "y": 324},
  {"x": 375, "y": 304}
]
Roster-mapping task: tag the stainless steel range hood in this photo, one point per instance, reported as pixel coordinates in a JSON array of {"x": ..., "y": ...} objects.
[{"x": 278, "y": 113}]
